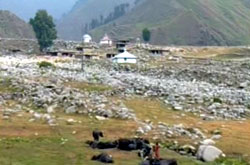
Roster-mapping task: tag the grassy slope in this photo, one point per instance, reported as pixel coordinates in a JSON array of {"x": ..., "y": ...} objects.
[
  {"x": 234, "y": 133},
  {"x": 214, "y": 22},
  {"x": 82, "y": 13},
  {"x": 13, "y": 27},
  {"x": 46, "y": 148}
]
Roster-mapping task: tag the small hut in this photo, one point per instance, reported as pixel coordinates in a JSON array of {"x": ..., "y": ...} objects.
[{"x": 125, "y": 58}]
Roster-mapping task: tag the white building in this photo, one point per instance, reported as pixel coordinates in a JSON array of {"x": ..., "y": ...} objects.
[
  {"x": 106, "y": 40},
  {"x": 125, "y": 58},
  {"x": 87, "y": 38}
]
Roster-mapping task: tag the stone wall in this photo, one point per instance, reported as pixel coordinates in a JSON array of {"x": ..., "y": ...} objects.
[{"x": 26, "y": 46}]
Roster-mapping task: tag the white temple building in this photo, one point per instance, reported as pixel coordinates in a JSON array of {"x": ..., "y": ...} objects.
[
  {"x": 86, "y": 38},
  {"x": 106, "y": 40}
]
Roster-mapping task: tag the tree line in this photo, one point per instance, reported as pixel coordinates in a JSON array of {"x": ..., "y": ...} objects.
[{"x": 118, "y": 11}]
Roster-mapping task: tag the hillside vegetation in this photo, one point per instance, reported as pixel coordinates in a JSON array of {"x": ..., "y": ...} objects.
[
  {"x": 71, "y": 27},
  {"x": 13, "y": 27},
  {"x": 182, "y": 22}
]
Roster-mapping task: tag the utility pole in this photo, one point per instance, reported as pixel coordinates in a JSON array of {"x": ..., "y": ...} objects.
[{"x": 82, "y": 59}]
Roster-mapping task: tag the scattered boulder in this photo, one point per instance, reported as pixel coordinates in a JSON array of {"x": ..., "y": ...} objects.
[
  {"x": 216, "y": 137},
  {"x": 187, "y": 150},
  {"x": 37, "y": 116},
  {"x": 71, "y": 109},
  {"x": 208, "y": 142},
  {"x": 101, "y": 118},
  {"x": 6, "y": 117},
  {"x": 140, "y": 130},
  {"x": 50, "y": 109},
  {"x": 208, "y": 153},
  {"x": 71, "y": 121}
]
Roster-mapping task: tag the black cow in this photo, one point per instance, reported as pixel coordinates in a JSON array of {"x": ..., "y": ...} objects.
[
  {"x": 131, "y": 144},
  {"x": 96, "y": 135},
  {"x": 146, "y": 152},
  {"x": 159, "y": 162},
  {"x": 104, "y": 158},
  {"x": 102, "y": 145}
]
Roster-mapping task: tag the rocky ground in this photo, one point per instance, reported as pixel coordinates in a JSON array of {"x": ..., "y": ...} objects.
[{"x": 204, "y": 90}]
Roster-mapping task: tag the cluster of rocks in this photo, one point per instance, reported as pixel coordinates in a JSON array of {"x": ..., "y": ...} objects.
[
  {"x": 205, "y": 150},
  {"x": 46, "y": 117},
  {"x": 179, "y": 131},
  {"x": 191, "y": 96},
  {"x": 24, "y": 46},
  {"x": 203, "y": 88},
  {"x": 164, "y": 130},
  {"x": 51, "y": 96},
  {"x": 7, "y": 113},
  {"x": 208, "y": 152},
  {"x": 209, "y": 90}
]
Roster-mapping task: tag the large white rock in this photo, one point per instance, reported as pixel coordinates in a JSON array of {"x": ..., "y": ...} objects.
[
  {"x": 216, "y": 137},
  {"x": 71, "y": 121},
  {"x": 71, "y": 109},
  {"x": 208, "y": 153},
  {"x": 50, "y": 109},
  {"x": 100, "y": 118},
  {"x": 140, "y": 130},
  {"x": 37, "y": 116},
  {"x": 208, "y": 142}
]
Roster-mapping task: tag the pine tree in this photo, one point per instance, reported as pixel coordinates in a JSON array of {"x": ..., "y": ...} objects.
[
  {"x": 146, "y": 35},
  {"x": 44, "y": 28}
]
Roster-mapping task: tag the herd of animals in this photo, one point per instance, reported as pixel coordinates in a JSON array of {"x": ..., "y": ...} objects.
[{"x": 150, "y": 155}]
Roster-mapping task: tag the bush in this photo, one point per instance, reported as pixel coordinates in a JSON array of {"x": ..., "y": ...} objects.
[
  {"x": 45, "y": 64},
  {"x": 217, "y": 100}
]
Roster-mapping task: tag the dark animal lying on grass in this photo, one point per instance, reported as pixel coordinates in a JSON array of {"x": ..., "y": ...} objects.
[
  {"x": 102, "y": 145},
  {"x": 145, "y": 152},
  {"x": 104, "y": 158},
  {"x": 131, "y": 144},
  {"x": 159, "y": 162}
]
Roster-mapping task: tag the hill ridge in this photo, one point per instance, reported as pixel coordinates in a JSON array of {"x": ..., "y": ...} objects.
[
  {"x": 12, "y": 26},
  {"x": 223, "y": 22}
]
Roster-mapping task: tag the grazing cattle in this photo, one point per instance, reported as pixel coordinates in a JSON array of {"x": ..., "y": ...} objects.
[
  {"x": 131, "y": 144},
  {"x": 102, "y": 145},
  {"x": 159, "y": 162},
  {"x": 104, "y": 158},
  {"x": 146, "y": 152},
  {"x": 96, "y": 135}
]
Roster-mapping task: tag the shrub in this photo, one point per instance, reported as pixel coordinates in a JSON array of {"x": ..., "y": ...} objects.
[
  {"x": 217, "y": 100},
  {"x": 45, "y": 64}
]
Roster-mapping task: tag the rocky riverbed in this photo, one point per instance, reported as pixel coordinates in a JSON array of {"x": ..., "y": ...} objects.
[
  {"x": 210, "y": 89},
  {"x": 207, "y": 89}
]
